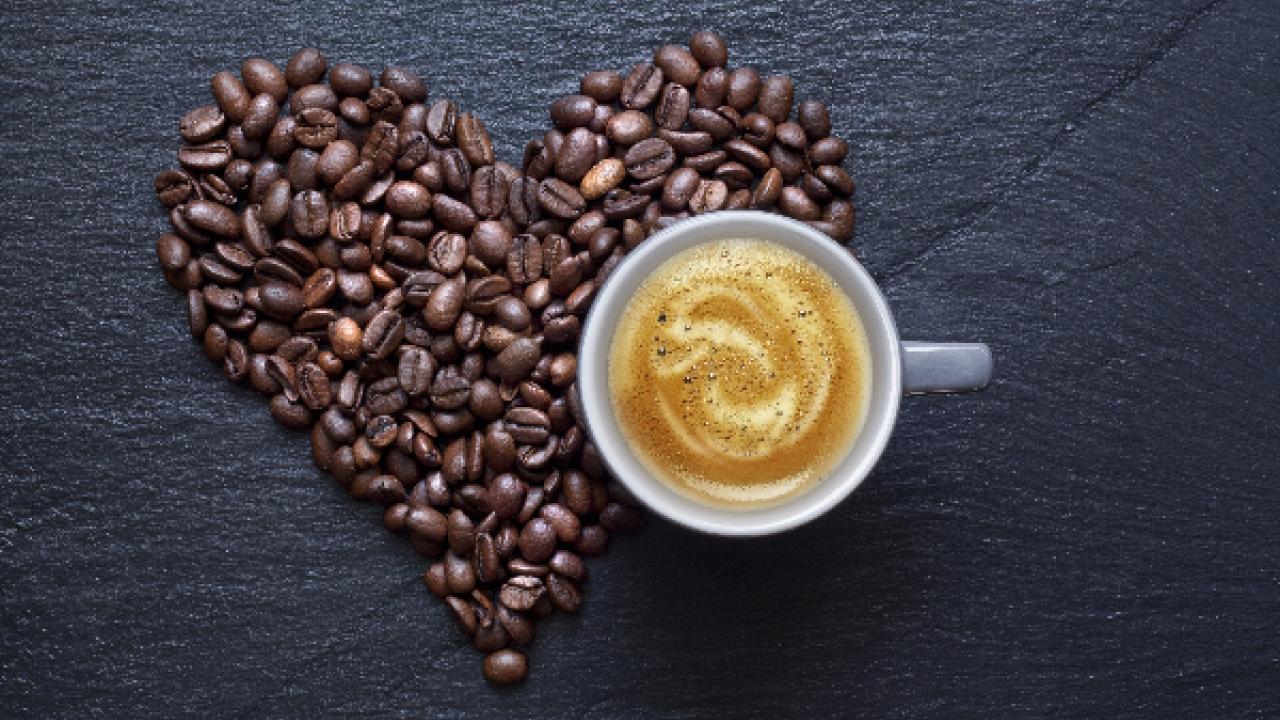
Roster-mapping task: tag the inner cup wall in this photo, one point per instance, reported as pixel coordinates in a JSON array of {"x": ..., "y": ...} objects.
[{"x": 885, "y": 372}]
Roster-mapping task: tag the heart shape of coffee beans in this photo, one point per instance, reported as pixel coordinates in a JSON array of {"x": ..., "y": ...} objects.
[{"x": 358, "y": 255}]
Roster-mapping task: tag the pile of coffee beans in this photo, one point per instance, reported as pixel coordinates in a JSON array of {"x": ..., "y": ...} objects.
[{"x": 355, "y": 252}]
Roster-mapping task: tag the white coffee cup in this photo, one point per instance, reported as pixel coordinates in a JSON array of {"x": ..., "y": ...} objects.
[{"x": 897, "y": 368}]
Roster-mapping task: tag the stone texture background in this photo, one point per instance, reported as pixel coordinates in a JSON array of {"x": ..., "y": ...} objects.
[{"x": 1090, "y": 186}]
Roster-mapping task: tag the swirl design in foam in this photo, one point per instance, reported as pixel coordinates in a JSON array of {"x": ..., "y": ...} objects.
[{"x": 736, "y": 372}]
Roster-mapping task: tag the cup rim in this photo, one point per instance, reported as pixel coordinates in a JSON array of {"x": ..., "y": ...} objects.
[{"x": 597, "y": 335}]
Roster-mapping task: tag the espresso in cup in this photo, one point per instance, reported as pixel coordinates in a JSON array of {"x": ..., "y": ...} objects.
[{"x": 739, "y": 373}]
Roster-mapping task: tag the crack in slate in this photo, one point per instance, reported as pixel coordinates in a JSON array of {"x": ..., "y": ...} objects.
[{"x": 943, "y": 240}]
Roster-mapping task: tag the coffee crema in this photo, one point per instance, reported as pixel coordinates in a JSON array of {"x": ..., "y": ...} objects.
[{"x": 738, "y": 373}]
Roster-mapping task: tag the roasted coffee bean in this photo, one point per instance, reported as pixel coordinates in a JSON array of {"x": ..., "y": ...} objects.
[
  {"x": 576, "y": 156},
  {"x": 206, "y": 157},
  {"x": 262, "y": 76},
  {"x": 404, "y": 83},
  {"x": 415, "y": 370},
  {"x": 560, "y": 199},
  {"x": 711, "y": 195},
  {"x": 316, "y": 127},
  {"x": 603, "y": 86},
  {"x": 202, "y": 124},
  {"x": 790, "y": 135},
  {"x": 748, "y": 154},
  {"x": 524, "y": 259},
  {"x": 537, "y": 540},
  {"x": 232, "y": 96},
  {"x": 815, "y": 189},
  {"x": 517, "y": 360},
  {"x": 775, "y": 97},
  {"x": 735, "y": 175},
  {"x": 505, "y": 667},
  {"x": 260, "y": 117},
  {"x": 563, "y": 521},
  {"x": 673, "y": 107},
  {"x": 617, "y": 517},
  {"x": 313, "y": 386},
  {"x": 441, "y": 120},
  {"x": 309, "y": 212},
  {"x": 715, "y": 124},
  {"x": 648, "y": 159},
  {"x": 835, "y": 178},
  {"x": 629, "y": 127},
  {"x": 444, "y": 304},
  {"x": 791, "y": 162},
  {"x": 796, "y": 203},
  {"x": 452, "y": 214},
  {"x": 641, "y": 86},
  {"x": 384, "y": 105},
  {"x": 488, "y": 192},
  {"x": 564, "y": 594},
  {"x": 593, "y": 541},
  {"x": 174, "y": 187},
  {"x": 521, "y": 592},
  {"x": 527, "y": 425},
  {"x": 408, "y": 199},
  {"x": 449, "y": 391},
  {"x": 172, "y": 252},
  {"x": 212, "y": 217},
  {"x": 573, "y": 111},
  {"x": 383, "y": 334},
  {"x": 768, "y": 190},
  {"x": 490, "y": 243},
  {"x": 711, "y": 88},
  {"x": 459, "y": 574},
  {"x": 522, "y": 201},
  {"x": 709, "y": 49},
  {"x": 678, "y": 64},
  {"x": 473, "y": 139},
  {"x": 307, "y": 66}
]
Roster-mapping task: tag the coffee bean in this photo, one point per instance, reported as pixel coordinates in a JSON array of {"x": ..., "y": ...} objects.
[
  {"x": 404, "y": 83},
  {"x": 768, "y": 190},
  {"x": 441, "y": 120},
  {"x": 576, "y": 156},
  {"x": 506, "y": 667},
  {"x": 573, "y": 111},
  {"x": 593, "y": 541},
  {"x": 628, "y": 127},
  {"x": 522, "y": 201},
  {"x": 520, "y": 593},
  {"x": 517, "y": 360},
  {"x": 488, "y": 192},
  {"x": 815, "y": 189},
  {"x": 306, "y": 67},
  {"x": 537, "y": 540},
  {"x": 710, "y": 196},
  {"x": 560, "y": 199},
  {"x": 563, "y": 521},
  {"x": 791, "y": 163},
  {"x": 641, "y": 86},
  {"x": 231, "y": 95},
  {"x": 604, "y": 176},
  {"x": 687, "y": 143},
  {"x": 677, "y": 64},
  {"x": 735, "y": 175},
  {"x": 202, "y": 124},
  {"x": 814, "y": 118},
  {"x": 316, "y": 127},
  {"x": 797, "y": 204},
  {"x": 828, "y": 151},
  {"x": 709, "y": 49},
  {"x": 260, "y": 117},
  {"x": 337, "y": 159},
  {"x": 743, "y": 88},
  {"x": 748, "y": 154},
  {"x": 408, "y": 199},
  {"x": 261, "y": 76},
  {"x": 564, "y": 594},
  {"x": 706, "y": 162},
  {"x": 527, "y": 425},
  {"x": 835, "y": 178},
  {"x": 452, "y": 214},
  {"x": 673, "y": 107},
  {"x": 790, "y": 135},
  {"x": 649, "y": 159},
  {"x": 775, "y": 97},
  {"x": 444, "y": 304},
  {"x": 712, "y": 88},
  {"x": 473, "y": 139},
  {"x": 459, "y": 574}
]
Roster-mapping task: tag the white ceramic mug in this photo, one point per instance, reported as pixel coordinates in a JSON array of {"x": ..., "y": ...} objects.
[{"x": 897, "y": 368}]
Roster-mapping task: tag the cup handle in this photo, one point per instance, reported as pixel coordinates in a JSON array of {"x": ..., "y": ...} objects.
[{"x": 929, "y": 367}]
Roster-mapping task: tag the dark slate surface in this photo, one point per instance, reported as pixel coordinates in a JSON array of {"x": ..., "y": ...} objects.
[{"x": 1089, "y": 186}]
